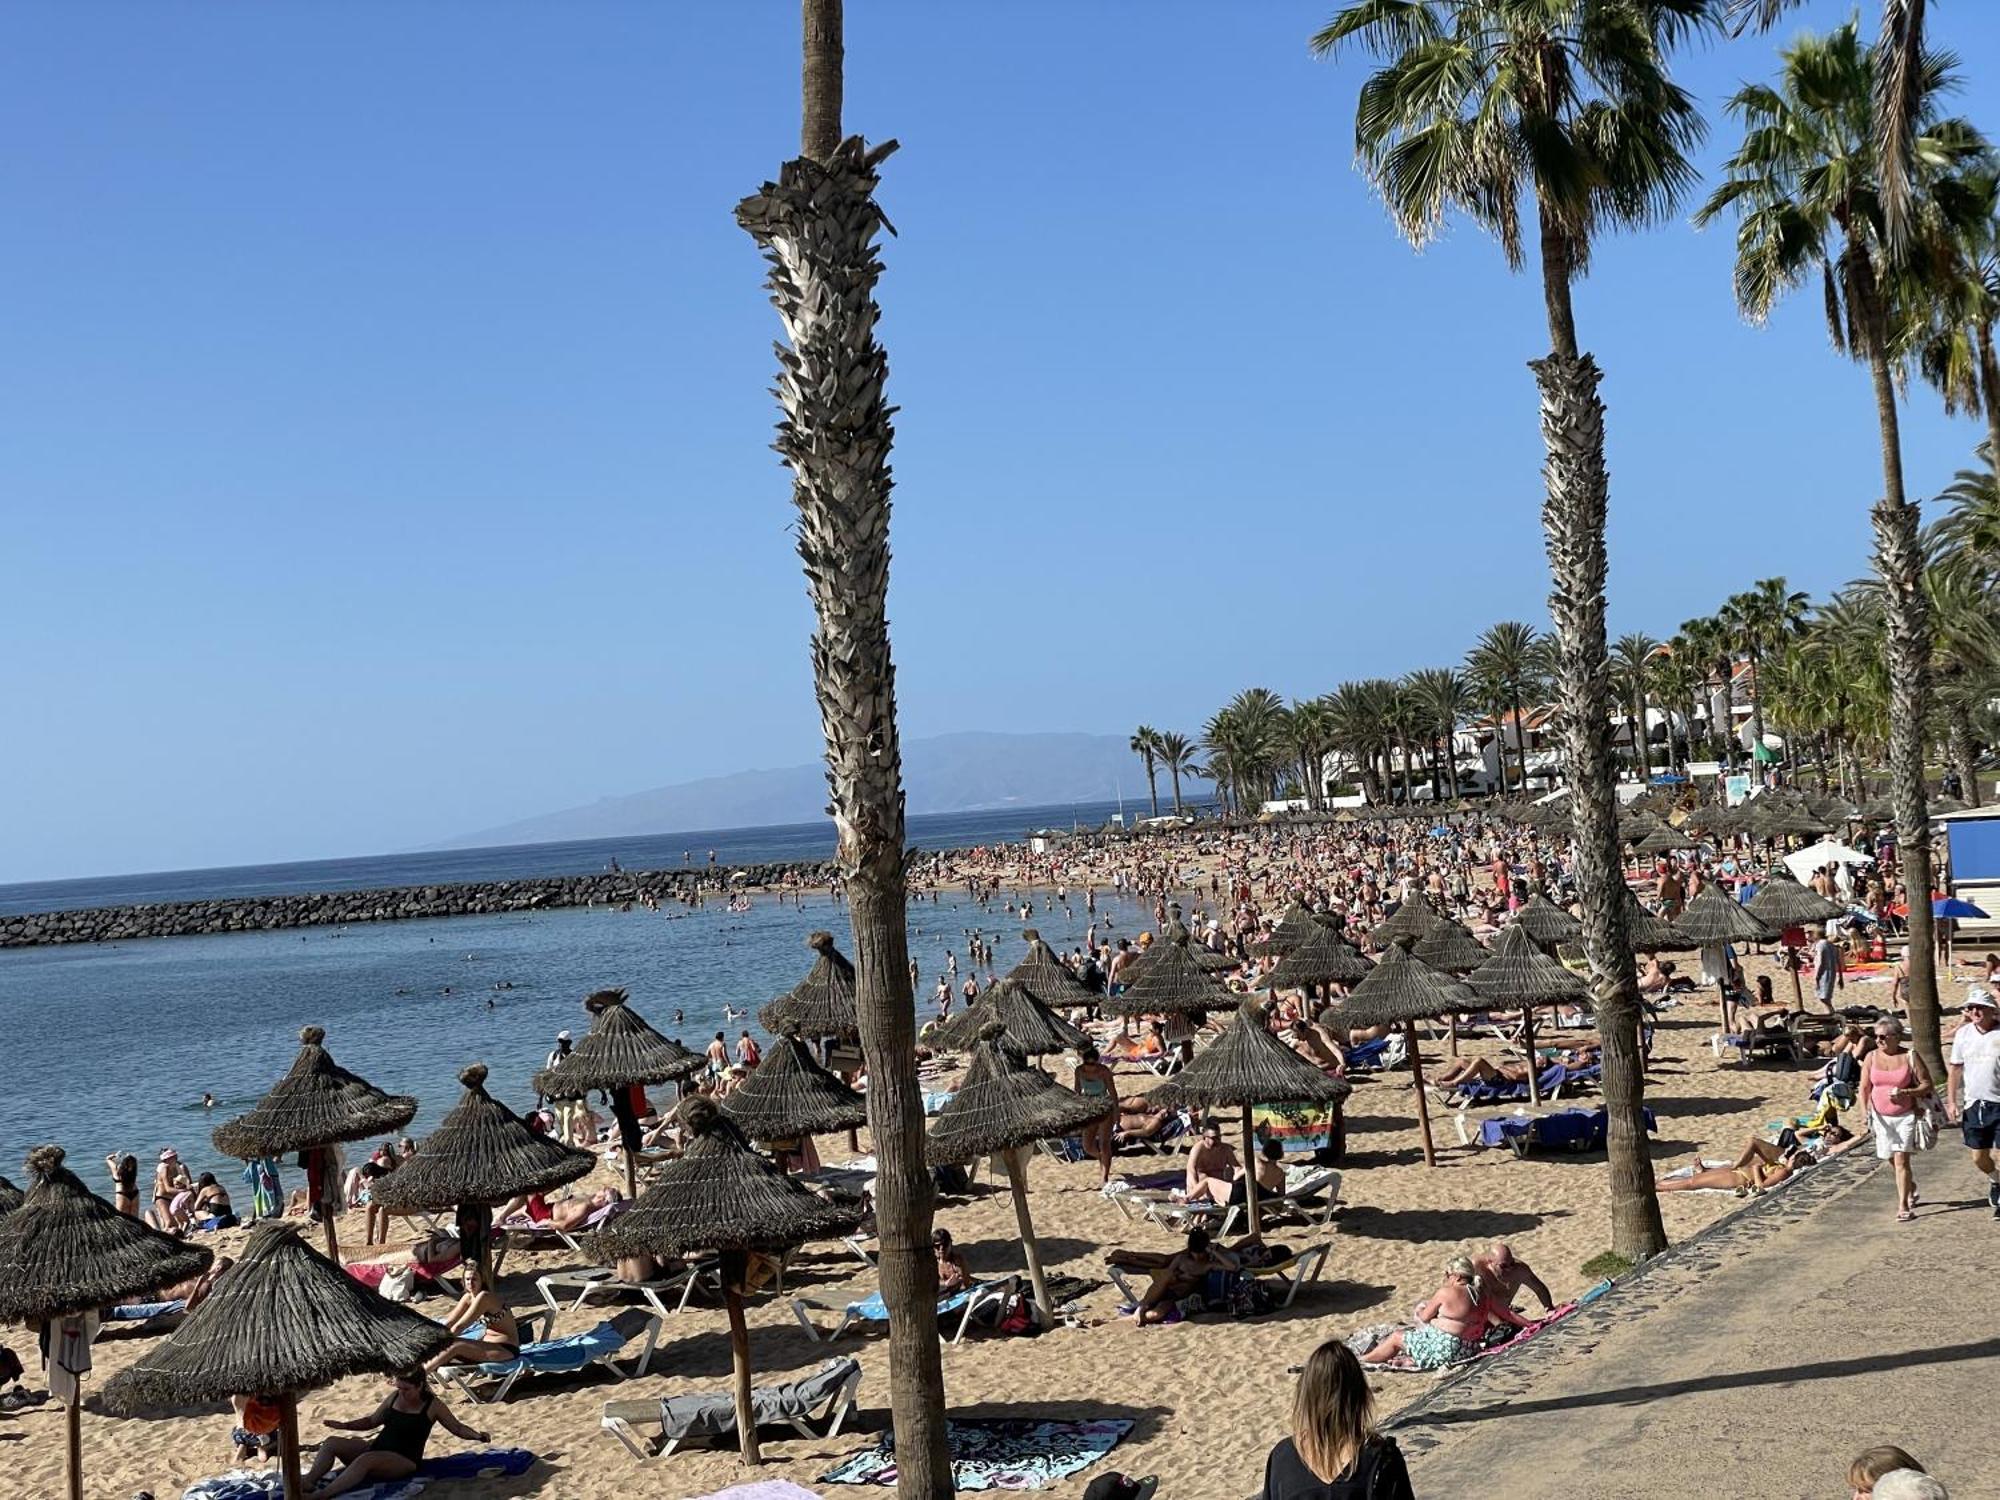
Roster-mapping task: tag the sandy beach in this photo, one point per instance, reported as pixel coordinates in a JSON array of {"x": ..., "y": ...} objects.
[{"x": 1207, "y": 1397}]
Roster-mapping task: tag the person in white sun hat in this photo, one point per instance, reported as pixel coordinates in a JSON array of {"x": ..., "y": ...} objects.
[{"x": 1972, "y": 1091}]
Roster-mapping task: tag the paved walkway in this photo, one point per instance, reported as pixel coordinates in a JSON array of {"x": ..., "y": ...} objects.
[{"x": 1753, "y": 1362}]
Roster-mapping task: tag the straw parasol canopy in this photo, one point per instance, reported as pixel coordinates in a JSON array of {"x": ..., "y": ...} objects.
[
  {"x": 1175, "y": 931},
  {"x": 1450, "y": 947},
  {"x": 1518, "y": 975},
  {"x": 721, "y": 1195},
  {"x": 65, "y": 1251},
  {"x": 1546, "y": 922},
  {"x": 1031, "y": 1026},
  {"x": 1663, "y": 840},
  {"x": 480, "y": 1156},
  {"x": 10, "y": 1196},
  {"x": 1406, "y": 923},
  {"x": 318, "y": 1103},
  {"x": 1042, "y": 974},
  {"x": 1782, "y": 902},
  {"x": 788, "y": 1095},
  {"x": 619, "y": 1049},
  {"x": 284, "y": 1320},
  {"x": 822, "y": 1004},
  {"x": 1402, "y": 990},
  {"x": 1649, "y": 932},
  {"x": 1713, "y": 917},
  {"x": 1171, "y": 981},
  {"x": 1324, "y": 959},
  {"x": 1294, "y": 930},
  {"x": 1247, "y": 1066}
]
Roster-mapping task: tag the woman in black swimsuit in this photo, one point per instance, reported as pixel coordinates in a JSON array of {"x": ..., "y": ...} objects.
[
  {"x": 405, "y": 1420},
  {"x": 124, "y": 1184}
]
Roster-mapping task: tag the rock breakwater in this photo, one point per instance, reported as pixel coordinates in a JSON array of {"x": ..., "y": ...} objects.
[{"x": 105, "y": 924}]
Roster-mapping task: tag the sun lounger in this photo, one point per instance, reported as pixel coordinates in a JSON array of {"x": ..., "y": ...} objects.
[
  {"x": 817, "y": 1405},
  {"x": 1300, "y": 1268},
  {"x": 965, "y": 1306},
  {"x": 1303, "y": 1184},
  {"x": 524, "y": 1234},
  {"x": 601, "y": 1346},
  {"x": 556, "y": 1287}
]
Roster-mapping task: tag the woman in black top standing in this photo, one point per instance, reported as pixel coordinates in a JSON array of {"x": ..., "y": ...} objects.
[
  {"x": 1334, "y": 1452},
  {"x": 406, "y": 1419}
]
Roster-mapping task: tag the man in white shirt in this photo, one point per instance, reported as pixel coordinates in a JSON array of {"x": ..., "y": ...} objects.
[{"x": 1973, "y": 1094}]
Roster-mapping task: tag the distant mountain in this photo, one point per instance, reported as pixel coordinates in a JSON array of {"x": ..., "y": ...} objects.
[{"x": 945, "y": 773}]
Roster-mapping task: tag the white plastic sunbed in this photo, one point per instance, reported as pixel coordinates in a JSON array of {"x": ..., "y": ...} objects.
[
  {"x": 967, "y": 1305},
  {"x": 601, "y": 1346},
  {"x": 1291, "y": 1273},
  {"x": 817, "y": 1405},
  {"x": 665, "y": 1294}
]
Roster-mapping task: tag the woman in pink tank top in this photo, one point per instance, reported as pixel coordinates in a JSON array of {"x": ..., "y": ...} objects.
[{"x": 1895, "y": 1090}]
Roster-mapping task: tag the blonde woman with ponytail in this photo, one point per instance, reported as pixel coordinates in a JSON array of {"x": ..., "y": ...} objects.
[{"x": 1334, "y": 1452}]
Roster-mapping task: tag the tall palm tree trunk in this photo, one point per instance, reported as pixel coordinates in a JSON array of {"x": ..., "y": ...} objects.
[
  {"x": 1520, "y": 737},
  {"x": 1756, "y": 715},
  {"x": 1573, "y": 514},
  {"x": 817, "y": 227},
  {"x": 1174, "y": 770},
  {"x": 1989, "y": 385},
  {"x": 1962, "y": 742},
  {"x": 1153, "y": 784}
]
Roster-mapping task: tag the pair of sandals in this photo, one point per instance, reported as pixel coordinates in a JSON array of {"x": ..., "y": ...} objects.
[{"x": 22, "y": 1399}]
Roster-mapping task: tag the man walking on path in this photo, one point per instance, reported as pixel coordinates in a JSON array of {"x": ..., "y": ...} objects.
[
  {"x": 1973, "y": 1096},
  {"x": 1828, "y": 969},
  {"x": 564, "y": 1108}
]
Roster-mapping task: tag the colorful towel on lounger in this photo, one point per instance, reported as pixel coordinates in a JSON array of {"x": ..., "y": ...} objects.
[
  {"x": 269, "y": 1484},
  {"x": 996, "y": 1455},
  {"x": 1296, "y": 1127}
]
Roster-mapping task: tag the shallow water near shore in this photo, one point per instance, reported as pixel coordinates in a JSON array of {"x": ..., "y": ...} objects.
[{"x": 111, "y": 1047}]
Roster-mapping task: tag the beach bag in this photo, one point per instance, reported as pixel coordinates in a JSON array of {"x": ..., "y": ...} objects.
[
  {"x": 1924, "y": 1129},
  {"x": 399, "y": 1283}
]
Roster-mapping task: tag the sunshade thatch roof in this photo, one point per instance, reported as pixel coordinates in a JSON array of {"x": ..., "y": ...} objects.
[
  {"x": 1030, "y": 1025},
  {"x": 1782, "y": 902},
  {"x": 619, "y": 1049},
  {"x": 1171, "y": 981},
  {"x": 1042, "y": 974},
  {"x": 1517, "y": 973},
  {"x": 1401, "y": 988},
  {"x": 10, "y": 1196},
  {"x": 1002, "y": 1103},
  {"x": 1247, "y": 1065},
  {"x": 822, "y": 1004},
  {"x": 1406, "y": 923},
  {"x": 1175, "y": 931},
  {"x": 1649, "y": 932},
  {"x": 65, "y": 1250},
  {"x": 1295, "y": 929},
  {"x": 1663, "y": 840},
  {"x": 284, "y": 1320},
  {"x": 1450, "y": 947},
  {"x": 1324, "y": 959},
  {"x": 317, "y": 1103},
  {"x": 1713, "y": 917},
  {"x": 720, "y": 1195},
  {"x": 481, "y": 1155},
  {"x": 1546, "y": 922},
  {"x": 789, "y": 1094}
]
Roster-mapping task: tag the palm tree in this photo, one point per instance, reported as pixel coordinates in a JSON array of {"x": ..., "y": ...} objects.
[
  {"x": 1444, "y": 699},
  {"x": 1146, "y": 745},
  {"x": 1955, "y": 350},
  {"x": 1809, "y": 195},
  {"x": 1680, "y": 677},
  {"x": 1176, "y": 753},
  {"x": 1708, "y": 647},
  {"x": 1759, "y": 620},
  {"x": 1631, "y": 674},
  {"x": 1508, "y": 661},
  {"x": 817, "y": 226},
  {"x": 1360, "y": 730},
  {"x": 1309, "y": 725},
  {"x": 1567, "y": 102}
]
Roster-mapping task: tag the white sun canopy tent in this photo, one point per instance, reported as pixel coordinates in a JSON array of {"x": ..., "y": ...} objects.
[{"x": 1803, "y": 862}]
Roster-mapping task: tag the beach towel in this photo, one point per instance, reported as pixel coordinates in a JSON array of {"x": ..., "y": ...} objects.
[
  {"x": 763, "y": 1489},
  {"x": 1497, "y": 1339},
  {"x": 269, "y": 1484},
  {"x": 996, "y": 1455},
  {"x": 1296, "y": 1127}
]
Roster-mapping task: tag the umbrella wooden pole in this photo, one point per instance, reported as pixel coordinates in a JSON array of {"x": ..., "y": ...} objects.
[
  {"x": 1017, "y": 1185},
  {"x": 1534, "y": 1063},
  {"x": 734, "y": 1270},
  {"x": 1423, "y": 1104},
  {"x": 288, "y": 1445},
  {"x": 1453, "y": 1023},
  {"x": 1250, "y": 1173},
  {"x": 332, "y": 1237},
  {"x": 631, "y": 1174},
  {"x": 73, "y": 1444}
]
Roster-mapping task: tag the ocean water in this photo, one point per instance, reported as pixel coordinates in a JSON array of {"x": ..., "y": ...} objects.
[
  {"x": 110, "y": 1047},
  {"x": 801, "y": 842}
]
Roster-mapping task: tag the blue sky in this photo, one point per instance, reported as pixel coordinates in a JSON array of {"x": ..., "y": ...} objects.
[{"x": 384, "y": 402}]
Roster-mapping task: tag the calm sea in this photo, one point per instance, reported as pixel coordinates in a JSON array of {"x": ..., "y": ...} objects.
[{"x": 110, "y": 1048}]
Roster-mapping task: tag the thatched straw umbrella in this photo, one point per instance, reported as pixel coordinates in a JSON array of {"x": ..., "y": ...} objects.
[
  {"x": 66, "y": 1252},
  {"x": 1406, "y": 923},
  {"x": 1547, "y": 923},
  {"x": 789, "y": 1094},
  {"x": 1247, "y": 1066},
  {"x": 316, "y": 1105},
  {"x": 1042, "y": 974},
  {"x": 479, "y": 1157},
  {"x": 1713, "y": 917},
  {"x": 619, "y": 1050},
  {"x": 1649, "y": 932},
  {"x": 1325, "y": 958},
  {"x": 283, "y": 1321},
  {"x": 1294, "y": 930},
  {"x": 1665, "y": 839},
  {"x": 1783, "y": 903},
  {"x": 721, "y": 1195},
  {"x": 1001, "y": 1105},
  {"x": 821, "y": 1004},
  {"x": 1451, "y": 947},
  {"x": 1402, "y": 990},
  {"x": 1031, "y": 1026},
  {"x": 1520, "y": 975},
  {"x": 1170, "y": 982},
  {"x": 1175, "y": 931},
  {"x": 10, "y": 1196}
]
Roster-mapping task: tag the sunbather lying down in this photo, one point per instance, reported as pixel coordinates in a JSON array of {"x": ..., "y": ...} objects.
[
  {"x": 1480, "y": 1070},
  {"x": 1762, "y": 1164},
  {"x": 1139, "y": 1119}
]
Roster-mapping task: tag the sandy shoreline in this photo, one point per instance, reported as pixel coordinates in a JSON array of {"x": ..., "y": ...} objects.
[{"x": 1207, "y": 1396}]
